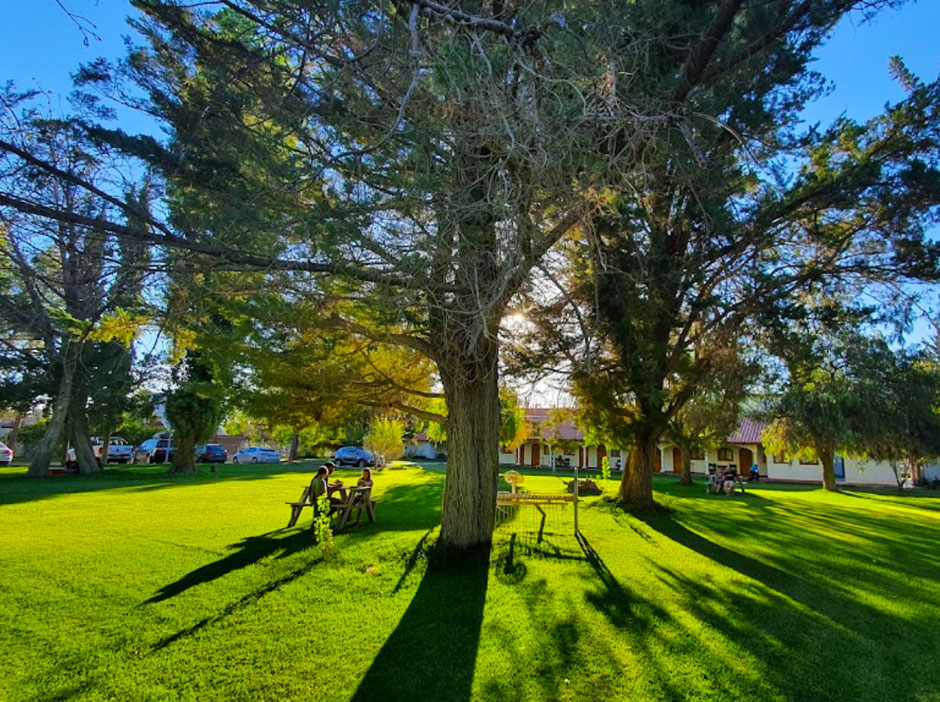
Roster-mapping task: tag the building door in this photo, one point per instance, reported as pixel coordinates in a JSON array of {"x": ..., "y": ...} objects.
[
  {"x": 580, "y": 457},
  {"x": 536, "y": 454},
  {"x": 839, "y": 467},
  {"x": 658, "y": 461},
  {"x": 601, "y": 455},
  {"x": 676, "y": 460},
  {"x": 746, "y": 459}
]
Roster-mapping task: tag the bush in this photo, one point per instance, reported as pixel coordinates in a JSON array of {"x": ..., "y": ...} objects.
[{"x": 384, "y": 439}]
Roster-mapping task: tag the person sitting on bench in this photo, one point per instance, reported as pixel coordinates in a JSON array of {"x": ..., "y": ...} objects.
[
  {"x": 321, "y": 486},
  {"x": 728, "y": 481}
]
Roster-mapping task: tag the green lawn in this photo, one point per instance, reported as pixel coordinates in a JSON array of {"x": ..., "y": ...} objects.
[{"x": 139, "y": 586}]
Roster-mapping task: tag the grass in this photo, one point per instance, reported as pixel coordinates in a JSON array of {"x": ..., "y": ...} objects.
[{"x": 135, "y": 585}]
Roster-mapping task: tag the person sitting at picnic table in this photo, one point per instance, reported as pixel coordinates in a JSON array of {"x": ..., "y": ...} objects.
[
  {"x": 321, "y": 486},
  {"x": 714, "y": 479},
  {"x": 334, "y": 486},
  {"x": 728, "y": 481},
  {"x": 364, "y": 482}
]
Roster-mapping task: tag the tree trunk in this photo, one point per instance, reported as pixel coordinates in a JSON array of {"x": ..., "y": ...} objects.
[
  {"x": 685, "y": 457},
  {"x": 183, "y": 454},
  {"x": 472, "y": 396},
  {"x": 52, "y": 438},
  {"x": 636, "y": 485},
  {"x": 827, "y": 458},
  {"x": 78, "y": 432},
  {"x": 105, "y": 445},
  {"x": 294, "y": 446},
  {"x": 15, "y": 432}
]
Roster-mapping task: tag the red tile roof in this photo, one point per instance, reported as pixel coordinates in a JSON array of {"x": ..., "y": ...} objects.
[
  {"x": 748, "y": 432},
  {"x": 567, "y": 429}
]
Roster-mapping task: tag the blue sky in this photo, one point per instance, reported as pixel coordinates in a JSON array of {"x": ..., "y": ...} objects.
[{"x": 40, "y": 47}]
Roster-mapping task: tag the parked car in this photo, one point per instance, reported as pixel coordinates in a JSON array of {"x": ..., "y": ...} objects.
[
  {"x": 354, "y": 456},
  {"x": 154, "y": 451},
  {"x": 257, "y": 454},
  {"x": 211, "y": 453},
  {"x": 6, "y": 455},
  {"x": 119, "y": 451}
]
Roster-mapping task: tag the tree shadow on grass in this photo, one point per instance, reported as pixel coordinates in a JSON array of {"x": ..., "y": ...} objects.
[
  {"x": 246, "y": 552},
  {"x": 240, "y": 603},
  {"x": 406, "y": 507},
  {"x": 431, "y": 654},
  {"x": 800, "y": 620},
  {"x": 18, "y": 488}
]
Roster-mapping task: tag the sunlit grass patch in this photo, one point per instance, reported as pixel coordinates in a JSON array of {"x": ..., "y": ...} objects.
[{"x": 139, "y": 585}]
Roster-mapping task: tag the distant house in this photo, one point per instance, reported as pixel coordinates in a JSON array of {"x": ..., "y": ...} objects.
[
  {"x": 564, "y": 443},
  {"x": 422, "y": 447}
]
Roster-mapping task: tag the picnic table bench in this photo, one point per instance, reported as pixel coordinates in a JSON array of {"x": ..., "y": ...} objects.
[{"x": 351, "y": 498}]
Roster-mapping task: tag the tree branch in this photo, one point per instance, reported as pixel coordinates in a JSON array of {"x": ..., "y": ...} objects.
[
  {"x": 701, "y": 54},
  {"x": 406, "y": 340}
]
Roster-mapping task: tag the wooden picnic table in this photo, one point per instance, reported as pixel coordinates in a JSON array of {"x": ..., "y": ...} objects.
[
  {"x": 357, "y": 498},
  {"x": 350, "y": 498}
]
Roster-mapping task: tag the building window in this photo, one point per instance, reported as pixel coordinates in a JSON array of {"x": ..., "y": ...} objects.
[
  {"x": 781, "y": 458},
  {"x": 725, "y": 454},
  {"x": 697, "y": 454},
  {"x": 615, "y": 453},
  {"x": 808, "y": 462}
]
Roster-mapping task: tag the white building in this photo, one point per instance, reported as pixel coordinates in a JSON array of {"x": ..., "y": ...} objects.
[{"x": 564, "y": 443}]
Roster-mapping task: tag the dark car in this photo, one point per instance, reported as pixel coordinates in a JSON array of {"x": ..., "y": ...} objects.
[
  {"x": 354, "y": 456},
  {"x": 211, "y": 453}
]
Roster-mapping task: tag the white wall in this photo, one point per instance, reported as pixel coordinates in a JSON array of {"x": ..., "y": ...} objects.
[
  {"x": 792, "y": 470},
  {"x": 867, "y": 472},
  {"x": 857, "y": 471}
]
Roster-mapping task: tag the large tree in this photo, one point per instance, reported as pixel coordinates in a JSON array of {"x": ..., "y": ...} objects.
[
  {"x": 66, "y": 281},
  {"x": 428, "y": 154},
  {"x": 739, "y": 206}
]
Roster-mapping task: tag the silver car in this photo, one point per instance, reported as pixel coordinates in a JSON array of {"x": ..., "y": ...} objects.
[{"x": 257, "y": 454}]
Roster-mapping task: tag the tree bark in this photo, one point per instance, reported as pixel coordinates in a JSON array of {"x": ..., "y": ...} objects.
[
  {"x": 105, "y": 446},
  {"x": 636, "y": 485},
  {"x": 15, "y": 432},
  {"x": 827, "y": 458},
  {"x": 52, "y": 438},
  {"x": 183, "y": 454},
  {"x": 685, "y": 457},
  {"x": 78, "y": 433},
  {"x": 472, "y": 396},
  {"x": 294, "y": 446}
]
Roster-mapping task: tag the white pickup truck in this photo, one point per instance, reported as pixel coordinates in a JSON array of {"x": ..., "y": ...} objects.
[{"x": 119, "y": 451}]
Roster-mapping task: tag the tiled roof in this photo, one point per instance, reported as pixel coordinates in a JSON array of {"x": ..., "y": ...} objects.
[
  {"x": 748, "y": 432},
  {"x": 567, "y": 430}
]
